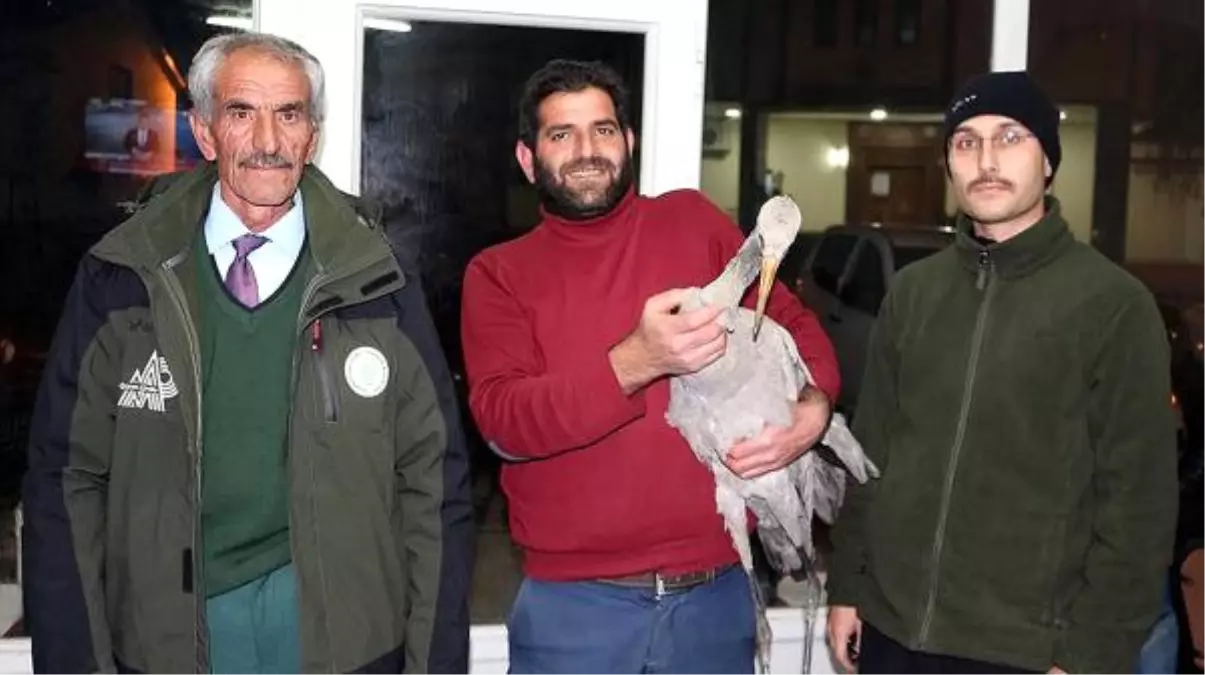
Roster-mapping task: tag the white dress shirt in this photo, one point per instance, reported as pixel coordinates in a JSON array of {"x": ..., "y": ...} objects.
[{"x": 273, "y": 260}]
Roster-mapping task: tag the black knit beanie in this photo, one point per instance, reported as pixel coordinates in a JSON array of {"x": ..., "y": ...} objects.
[{"x": 1010, "y": 94}]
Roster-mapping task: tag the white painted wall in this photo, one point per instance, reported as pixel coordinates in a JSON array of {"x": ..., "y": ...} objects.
[
  {"x": 799, "y": 149},
  {"x": 1073, "y": 184},
  {"x": 1164, "y": 223},
  {"x": 1010, "y": 34},
  {"x": 720, "y": 175}
]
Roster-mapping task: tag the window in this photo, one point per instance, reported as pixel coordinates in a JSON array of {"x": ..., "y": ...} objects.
[
  {"x": 907, "y": 22},
  {"x": 830, "y": 260},
  {"x": 866, "y": 22},
  {"x": 824, "y": 23},
  {"x": 866, "y": 286},
  {"x": 906, "y": 255}
]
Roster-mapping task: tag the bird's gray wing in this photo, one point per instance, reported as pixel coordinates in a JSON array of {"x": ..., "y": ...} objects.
[{"x": 848, "y": 450}]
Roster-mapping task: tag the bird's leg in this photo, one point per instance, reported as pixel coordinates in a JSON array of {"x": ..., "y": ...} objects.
[
  {"x": 764, "y": 636},
  {"x": 731, "y": 506},
  {"x": 810, "y": 607}
]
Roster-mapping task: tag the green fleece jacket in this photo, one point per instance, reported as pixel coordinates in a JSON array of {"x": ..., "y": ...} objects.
[{"x": 1017, "y": 400}]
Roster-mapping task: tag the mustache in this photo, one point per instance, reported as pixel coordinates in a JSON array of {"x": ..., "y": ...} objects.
[
  {"x": 596, "y": 163},
  {"x": 266, "y": 160},
  {"x": 989, "y": 180}
]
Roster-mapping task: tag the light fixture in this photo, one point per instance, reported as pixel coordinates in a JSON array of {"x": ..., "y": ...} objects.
[
  {"x": 837, "y": 158},
  {"x": 1062, "y": 115},
  {"x": 878, "y": 114},
  {"x": 228, "y": 21},
  {"x": 391, "y": 25},
  {"x": 732, "y": 113}
]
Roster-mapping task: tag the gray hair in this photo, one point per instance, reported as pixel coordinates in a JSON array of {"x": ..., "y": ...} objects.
[{"x": 213, "y": 54}]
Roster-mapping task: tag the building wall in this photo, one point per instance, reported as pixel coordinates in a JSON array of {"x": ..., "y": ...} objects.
[
  {"x": 1165, "y": 223},
  {"x": 1073, "y": 184},
  {"x": 1164, "y": 220},
  {"x": 719, "y": 175},
  {"x": 799, "y": 148}
]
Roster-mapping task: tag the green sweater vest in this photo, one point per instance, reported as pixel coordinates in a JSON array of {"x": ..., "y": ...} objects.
[{"x": 246, "y": 362}]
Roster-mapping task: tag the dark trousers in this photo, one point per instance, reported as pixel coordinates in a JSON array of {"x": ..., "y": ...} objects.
[{"x": 881, "y": 654}]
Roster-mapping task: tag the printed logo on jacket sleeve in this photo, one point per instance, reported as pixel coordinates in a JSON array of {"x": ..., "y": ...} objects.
[{"x": 149, "y": 387}]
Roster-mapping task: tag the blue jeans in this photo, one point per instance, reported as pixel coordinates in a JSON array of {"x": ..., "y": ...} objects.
[
  {"x": 1161, "y": 650},
  {"x": 254, "y": 628},
  {"x": 595, "y": 627}
]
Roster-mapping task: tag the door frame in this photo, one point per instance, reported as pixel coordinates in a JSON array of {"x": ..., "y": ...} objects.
[{"x": 669, "y": 131}]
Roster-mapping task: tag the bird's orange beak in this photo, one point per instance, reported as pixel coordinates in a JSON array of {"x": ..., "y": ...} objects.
[{"x": 769, "y": 268}]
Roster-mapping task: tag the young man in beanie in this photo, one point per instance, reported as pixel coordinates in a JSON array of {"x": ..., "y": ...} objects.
[{"x": 1016, "y": 398}]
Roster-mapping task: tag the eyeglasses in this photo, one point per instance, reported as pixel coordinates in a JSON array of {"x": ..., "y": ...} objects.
[{"x": 966, "y": 142}]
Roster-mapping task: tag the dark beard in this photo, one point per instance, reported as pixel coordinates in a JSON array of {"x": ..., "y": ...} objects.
[{"x": 560, "y": 201}]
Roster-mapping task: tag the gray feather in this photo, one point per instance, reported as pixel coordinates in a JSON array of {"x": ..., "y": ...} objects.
[{"x": 757, "y": 383}]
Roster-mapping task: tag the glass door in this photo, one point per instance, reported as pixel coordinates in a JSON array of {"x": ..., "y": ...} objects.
[{"x": 675, "y": 34}]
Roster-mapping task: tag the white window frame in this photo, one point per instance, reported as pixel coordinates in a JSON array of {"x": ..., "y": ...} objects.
[
  {"x": 671, "y": 124},
  {"x": 1010, "y": 35}
]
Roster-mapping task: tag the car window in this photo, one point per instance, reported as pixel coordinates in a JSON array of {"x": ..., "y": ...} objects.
[
  {"x": 906, "y": 255},
  {"x": 866, "y": 286},
  {"x": 830, "y": 259}
]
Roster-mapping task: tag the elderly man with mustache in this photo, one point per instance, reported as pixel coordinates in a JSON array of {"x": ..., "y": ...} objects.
[
  {"x": 1016, "y": 401},
  {"x": 246, "y": 455}
]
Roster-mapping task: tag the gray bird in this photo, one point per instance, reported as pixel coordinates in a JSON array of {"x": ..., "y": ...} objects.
[{"x": 754, "y": 384}]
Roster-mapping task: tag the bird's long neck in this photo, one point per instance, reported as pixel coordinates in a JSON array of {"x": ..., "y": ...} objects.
[{"x": 728, "y": 288}]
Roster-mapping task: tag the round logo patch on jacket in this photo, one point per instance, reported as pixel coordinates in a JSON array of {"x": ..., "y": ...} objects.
[{"x": 366, "y": 371}]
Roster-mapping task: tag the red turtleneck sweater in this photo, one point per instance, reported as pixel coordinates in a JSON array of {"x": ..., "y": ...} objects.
[{"x": 604, "y": 487}]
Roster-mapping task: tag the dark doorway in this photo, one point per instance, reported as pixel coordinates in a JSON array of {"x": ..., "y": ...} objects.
[{"x": 439, "y": 129}]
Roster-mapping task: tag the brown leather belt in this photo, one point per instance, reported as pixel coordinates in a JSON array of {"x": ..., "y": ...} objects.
[{"x": 668, "y": 583}]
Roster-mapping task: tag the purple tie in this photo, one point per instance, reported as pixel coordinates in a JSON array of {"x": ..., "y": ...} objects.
[{"x": 240, "y": 279}]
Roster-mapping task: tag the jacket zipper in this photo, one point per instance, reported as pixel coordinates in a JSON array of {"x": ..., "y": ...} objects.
[
  {"x": 330, "y": 405},
  {"x": 176, "y": 292},
  {"x": 983, "y": 279},
  {"x": 330, "y": 409},
  {"x": 330, "y": 399},
  {"x": 330, "y": 402}
]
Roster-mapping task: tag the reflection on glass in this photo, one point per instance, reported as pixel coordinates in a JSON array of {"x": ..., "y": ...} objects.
[
  {"x": 94, "y": 100},
  {"x": 439, "y": 132}
]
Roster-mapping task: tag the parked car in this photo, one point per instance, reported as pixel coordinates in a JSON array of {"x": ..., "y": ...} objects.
[
  {"x": 1183, "y": 321},
  {"x": 844, "y": 278}
]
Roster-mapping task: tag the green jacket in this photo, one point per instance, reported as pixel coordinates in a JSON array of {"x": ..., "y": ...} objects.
[
  {"x": 1017, "y": 398},
  {"x": 380, "y": 519}
]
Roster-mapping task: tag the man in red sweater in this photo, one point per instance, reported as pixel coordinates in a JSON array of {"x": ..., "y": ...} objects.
[{"x": 569, "y": 334}]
